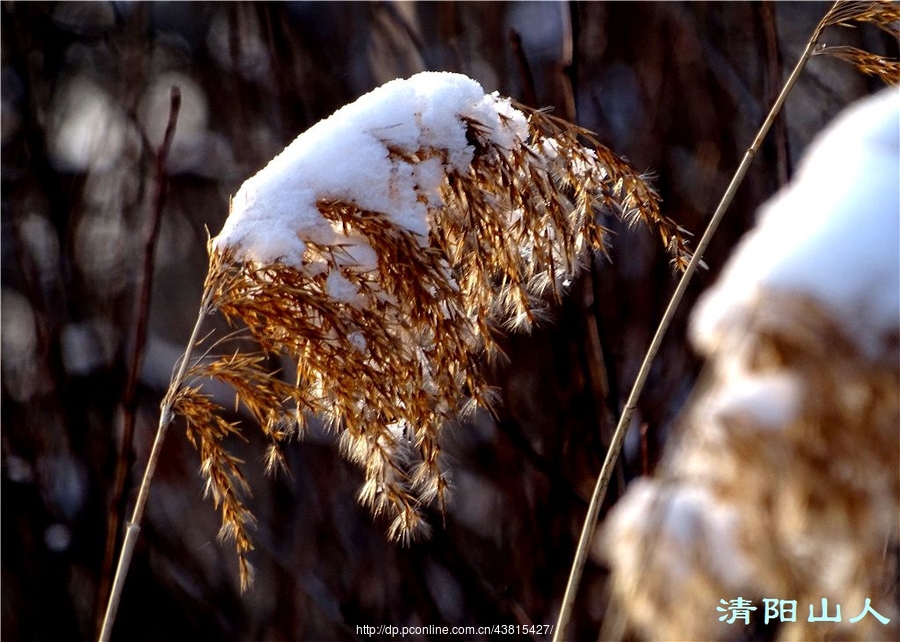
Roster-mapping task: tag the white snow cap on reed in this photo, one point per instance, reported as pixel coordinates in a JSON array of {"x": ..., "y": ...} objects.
[
  {"x": 833, "y": 234},
  {"x": 382, "y": 252},
  {"x": 785, "y": 473},
  {"x": 362, "y": 155}
]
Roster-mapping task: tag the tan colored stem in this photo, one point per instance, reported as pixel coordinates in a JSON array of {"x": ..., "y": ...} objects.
[
  {"x": 615, "y": 447},
  {"x": 129, "y": 395},
  {"x": 134, "y": 526}
]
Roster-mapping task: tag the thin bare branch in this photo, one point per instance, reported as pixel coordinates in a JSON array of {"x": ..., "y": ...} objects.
[{"x": 141, "y": 315}]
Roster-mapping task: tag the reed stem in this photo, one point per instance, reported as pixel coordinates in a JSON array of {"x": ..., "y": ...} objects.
[
  {"x": 615, "y": 446},
  {"x": 134, "y": 526}
]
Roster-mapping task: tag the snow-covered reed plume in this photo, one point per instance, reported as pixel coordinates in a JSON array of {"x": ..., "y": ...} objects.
[
  {"x": 380, "y": 253},
  {"x": 785, "y": 483}
]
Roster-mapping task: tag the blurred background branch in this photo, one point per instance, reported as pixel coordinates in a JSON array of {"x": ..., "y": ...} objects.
[{"x": 125, "y": 459}]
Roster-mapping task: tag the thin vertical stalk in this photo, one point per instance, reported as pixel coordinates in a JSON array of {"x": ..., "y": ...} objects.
[
  {"x": 134, "y": 526},
  {"x": 128, "y": 405},
  {"x": 618, "y": 439}
]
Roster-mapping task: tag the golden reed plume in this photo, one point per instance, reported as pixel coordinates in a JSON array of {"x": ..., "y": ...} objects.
[{"x": 386, "y": 325}]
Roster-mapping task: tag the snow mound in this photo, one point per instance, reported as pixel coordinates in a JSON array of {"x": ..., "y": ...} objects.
[
  {"x": 404, "y": 135},
  {"x": 833, "y": 234}
]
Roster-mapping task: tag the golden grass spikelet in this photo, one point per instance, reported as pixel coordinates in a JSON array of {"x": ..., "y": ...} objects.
[
  {"x": 884, "y": 15},
  {"x": 389, "y": 350},
  {"x": 206, "y": 431},
  {"x": 885, "y": 69}
]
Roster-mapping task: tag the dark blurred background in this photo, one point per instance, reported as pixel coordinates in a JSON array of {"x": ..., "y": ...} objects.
[{"x": 677, "y": 88}]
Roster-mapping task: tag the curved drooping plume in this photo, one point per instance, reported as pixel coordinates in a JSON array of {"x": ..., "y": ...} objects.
[
  {"x": 380, "y": 253},
  {"x": 785, "y": 485}
]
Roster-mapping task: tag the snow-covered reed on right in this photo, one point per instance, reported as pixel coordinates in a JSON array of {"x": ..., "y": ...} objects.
[{"x": 784, "y": 488}]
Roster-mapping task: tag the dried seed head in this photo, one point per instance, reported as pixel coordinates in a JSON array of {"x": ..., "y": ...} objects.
[
  {"x": 884, "y": 15},
  {"x": 381, "y": 253},
  {"x": 785, "y": 482}
]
